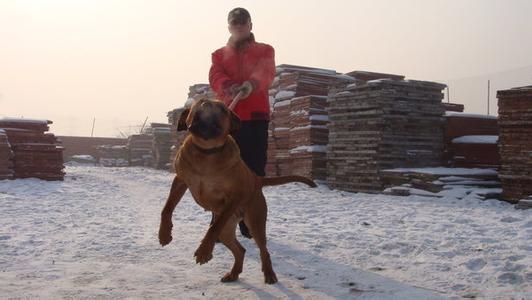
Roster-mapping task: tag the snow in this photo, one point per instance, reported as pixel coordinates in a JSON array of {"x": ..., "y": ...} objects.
[
  {"x": 476, "y": 139},
  {"x": 24, "y": 120},
  {"x": 308, "y": 127},
  {"x": 344, "y": 93},
  {"x": 285, "y": 94},
  {"x": 94, "y": 235},
  {"x": 299, "y": 112},
  {"x": 324, "y": 118},
  {"x": 282, "y": 103},
  {"x": 312, "y": 148},
  {"x": 467, "y": 115},
  {"x": 442, "y": 171}
]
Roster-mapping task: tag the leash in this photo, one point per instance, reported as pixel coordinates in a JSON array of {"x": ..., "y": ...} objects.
[{"x": 235, "y": 101}]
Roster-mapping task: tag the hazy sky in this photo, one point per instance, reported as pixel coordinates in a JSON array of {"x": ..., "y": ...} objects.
[{"x": 122, "y": 61}]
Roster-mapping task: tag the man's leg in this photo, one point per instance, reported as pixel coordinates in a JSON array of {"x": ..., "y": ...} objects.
[{"x": 252, "y": 139}]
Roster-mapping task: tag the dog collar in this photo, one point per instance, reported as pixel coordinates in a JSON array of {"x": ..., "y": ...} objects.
[{"x": 210, "y": 150}]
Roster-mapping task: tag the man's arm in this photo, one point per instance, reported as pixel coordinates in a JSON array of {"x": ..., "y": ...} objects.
[{"x": 218, "y": 79}]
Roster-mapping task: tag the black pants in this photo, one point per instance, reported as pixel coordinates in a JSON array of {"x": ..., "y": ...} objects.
[{"x": 252, "y": 139}]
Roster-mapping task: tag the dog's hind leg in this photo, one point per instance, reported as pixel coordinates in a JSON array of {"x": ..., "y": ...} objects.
[
  {"x": 255, "y": 218},
  {"x": 228, "y": 238},
  {"x": 176, "y": 193}
]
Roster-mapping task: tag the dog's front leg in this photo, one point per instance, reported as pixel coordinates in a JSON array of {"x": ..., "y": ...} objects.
[
  {"x": 177, "y": 191},
  {"x": 204, "y": 252}
]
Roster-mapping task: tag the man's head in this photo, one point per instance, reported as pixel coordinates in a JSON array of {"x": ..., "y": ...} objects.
[{"x": 239, "y": 22}]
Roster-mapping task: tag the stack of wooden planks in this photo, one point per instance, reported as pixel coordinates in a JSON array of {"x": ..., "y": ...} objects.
[
  {"x": 161, "y": 144},
  {"x": 6, "y": 156},
  {"x": 140, "y": 149},
  {"x": 515, "y": 144},
  {"x": 382, "y": 124},
  {"x": 35, "y": 153},
  {"x": 113, "y": 155}
]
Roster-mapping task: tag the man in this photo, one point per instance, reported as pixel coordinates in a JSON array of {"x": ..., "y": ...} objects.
[{"x": 247, "y": 67}]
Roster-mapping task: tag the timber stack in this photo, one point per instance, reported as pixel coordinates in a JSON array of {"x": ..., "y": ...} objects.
[
  {"x": 382, "y": 123},
  {"x": 140, "y": 149},
  {"x": 515, "y": 145},
  {"x": 162, "y": 143},
  {"x": 113, "y": 155},
  {"x": 299, "y": 119},
  {"x": 6, "y": 156},
  {"x": 35, "y": 153}
]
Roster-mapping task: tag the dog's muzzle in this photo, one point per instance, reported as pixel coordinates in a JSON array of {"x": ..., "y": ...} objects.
[{"x": 205, "y": 130}]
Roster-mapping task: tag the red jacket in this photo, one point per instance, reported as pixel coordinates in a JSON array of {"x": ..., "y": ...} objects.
[{"x": 234, "y": 64}]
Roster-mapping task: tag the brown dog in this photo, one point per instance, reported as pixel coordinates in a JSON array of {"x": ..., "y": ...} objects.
[{"x": 209, "y": 164}]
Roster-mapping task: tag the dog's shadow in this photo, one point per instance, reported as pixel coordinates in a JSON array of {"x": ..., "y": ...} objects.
[{"x": 303, "y": 274}]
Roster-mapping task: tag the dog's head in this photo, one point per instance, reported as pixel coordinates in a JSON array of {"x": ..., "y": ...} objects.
[{"x": 208, "y": 120}]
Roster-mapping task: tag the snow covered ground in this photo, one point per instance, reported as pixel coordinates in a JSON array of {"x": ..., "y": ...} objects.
[{"x": 95, "y": 236}]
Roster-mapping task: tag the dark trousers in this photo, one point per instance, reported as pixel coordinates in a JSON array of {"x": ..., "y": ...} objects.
[{"x": 252, "y": 139}]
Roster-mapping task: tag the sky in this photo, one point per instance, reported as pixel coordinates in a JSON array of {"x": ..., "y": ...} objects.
[{"x": 120, "y": 62}]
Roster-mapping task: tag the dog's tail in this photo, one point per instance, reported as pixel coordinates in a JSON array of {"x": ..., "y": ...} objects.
[{"x": 269, "y": 181}]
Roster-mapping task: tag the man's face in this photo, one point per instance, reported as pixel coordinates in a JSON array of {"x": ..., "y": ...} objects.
[{"x": 240, "y": 29}]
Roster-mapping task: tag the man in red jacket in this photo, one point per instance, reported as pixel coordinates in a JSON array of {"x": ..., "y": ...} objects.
[{"x": 247, "y": 67}]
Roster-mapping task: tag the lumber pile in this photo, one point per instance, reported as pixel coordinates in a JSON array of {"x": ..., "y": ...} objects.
[
  {"x": 113, "y": 155},
  {"x": 515, "y": 144},
  {"x": 439, "y": 181},
  {"x": 455, "y": 107},
  {"x": 294, "y": 81},
  {"x": 298, "y": 127},
  {"x": 177, "y": 136},
  {"x": 524, "y": 203},
  {"x": 308, "y": 136},
  {"x": 140, "y": 149},
  {"x": 162, "y": 143},
  {"x": 36, "y": 153},
  {"x": 474, "y": 151},
  {"x": 470, "y": 140},
  {"x": 382, "y": 124},
  {"x": 6, "y": 156}
]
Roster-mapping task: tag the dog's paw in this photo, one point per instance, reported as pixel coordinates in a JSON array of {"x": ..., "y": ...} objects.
[
  {"x": 270, "y": 278},
  {"x": 204, "y": 253},
  {"x": 165, "y": 233},
  {"x": 229, "y": 277}
]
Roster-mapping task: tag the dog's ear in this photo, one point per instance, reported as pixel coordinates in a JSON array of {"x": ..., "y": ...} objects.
[
  {"x": 235, "y": 123},
  {"x": 182, "y": 123}
]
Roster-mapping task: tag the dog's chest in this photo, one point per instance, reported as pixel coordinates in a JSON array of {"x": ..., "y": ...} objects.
[{"x": 208, "y": 194}]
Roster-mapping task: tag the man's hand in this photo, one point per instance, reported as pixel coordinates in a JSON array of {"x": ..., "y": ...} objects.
[{"x": 246, "y": 88}]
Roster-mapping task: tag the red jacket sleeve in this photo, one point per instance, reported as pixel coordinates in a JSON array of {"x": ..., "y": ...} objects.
[
  {"x": 264, "y": 72},
  {"x": 218, "y": 79}
]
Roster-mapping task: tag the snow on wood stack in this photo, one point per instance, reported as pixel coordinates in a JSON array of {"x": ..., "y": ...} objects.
[
  {"x": 515, "y": 145},
  {"x": 382, "y": 124},
  {"x": 308, "y": 136},
  {"x": 432, "y": 181},
  {"x": 162, "y": 143},
  {"x": 6, "y": 156},
  {"x": 470, "y": 140},
  {"x": 294, "y": 81},
  {"x": 113, "y": 155},
  {"x": 140, "y": 149},
  {"x": 299, "y": 120},
  {"x": 36, "y": 153}
]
